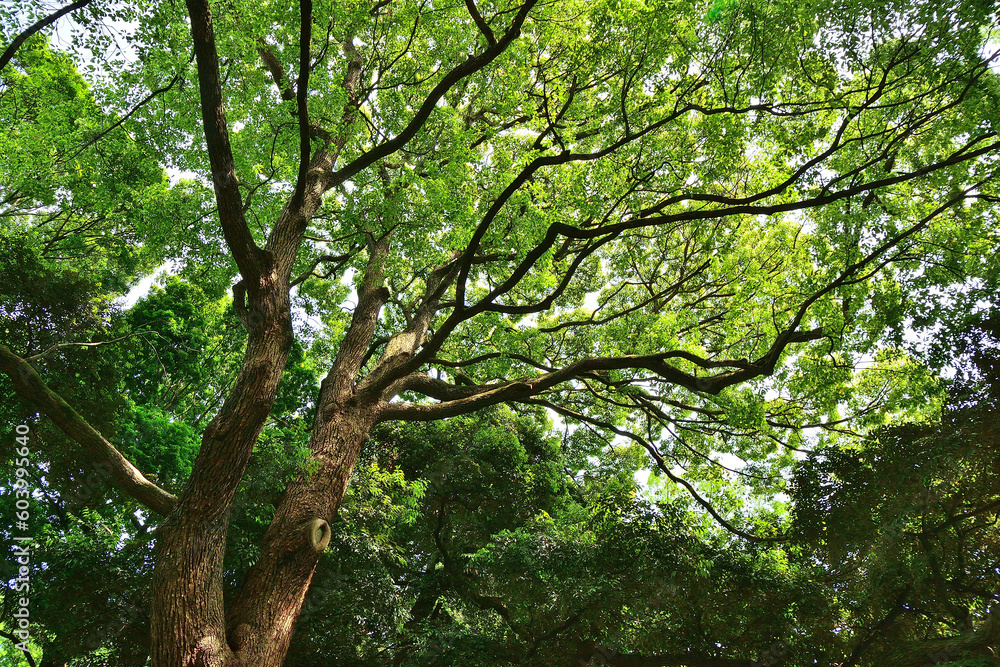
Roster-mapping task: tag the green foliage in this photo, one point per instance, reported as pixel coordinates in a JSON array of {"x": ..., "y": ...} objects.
[
  {"x": 154, "y": 379},
  {"x": 904, "y": 522},
  {"x": 777, "y": 167},
  {"x": 93, "y": 598},
  {"x": 452, "y": 572}
]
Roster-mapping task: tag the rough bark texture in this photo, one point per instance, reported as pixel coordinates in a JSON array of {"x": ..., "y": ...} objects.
[
  {"x": 188, "y": 623},
  {"x": 189, "y": 626},
  {"x": 265, "y": 610},
  {"x": 983, "y": 641},
  {"x": 263, "y": 614}
]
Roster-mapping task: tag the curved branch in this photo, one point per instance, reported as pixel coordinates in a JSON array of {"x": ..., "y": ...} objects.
[
  {"x": 559, "y": 229},
  {"x": 276, "y": 70},
  {"x": 661, "y": 464},
  {"x": 459, "y": 406},
  {"x": 898, "y": 607},
  {"x": 59, "y": 346},
  {"x": 125, "y": 476},
  {"x": 143, "y": 102},
  {"x": 471, "y": 65},
  {"x": 37, "y": 26},
  {"x": 916, "y": 653},
  {"x": 525, "y": 175},
  {"x": 462, "y": 400}
]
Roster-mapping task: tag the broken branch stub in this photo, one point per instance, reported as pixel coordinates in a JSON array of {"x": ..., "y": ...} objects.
[{"x": 318, "y": 534}]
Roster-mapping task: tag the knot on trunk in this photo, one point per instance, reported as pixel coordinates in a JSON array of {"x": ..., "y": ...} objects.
[{"x": 318, "y": 533}]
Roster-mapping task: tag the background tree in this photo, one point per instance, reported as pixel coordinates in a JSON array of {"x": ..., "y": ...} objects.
[
  {"x": 906, "y": 522},
  {"x": 674, "y": 224}
]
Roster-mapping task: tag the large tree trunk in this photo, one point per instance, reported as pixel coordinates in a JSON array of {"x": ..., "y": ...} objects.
[
  {"x": 188, "y": 621},
  {"x": 265, "y": 610}
]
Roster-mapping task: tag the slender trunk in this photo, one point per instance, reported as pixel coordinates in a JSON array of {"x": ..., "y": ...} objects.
[
  {"x": 188, "y": 623},
  {"x": 264, "y": 612}
]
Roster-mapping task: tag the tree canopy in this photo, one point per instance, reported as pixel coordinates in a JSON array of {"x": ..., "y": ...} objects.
[{"x": 564, "y": 332}]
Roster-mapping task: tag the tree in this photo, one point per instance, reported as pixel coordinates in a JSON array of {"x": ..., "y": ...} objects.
[
  {"x": 510, "y": 562},
  {"x": 675, "y": 224},
  {"x": 914, "y": 509}
]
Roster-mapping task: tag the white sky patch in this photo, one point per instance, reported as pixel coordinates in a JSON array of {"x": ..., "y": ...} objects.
[
  {"x": 61, "y": 38},
  {"x": 528, "y": 321},
  {"x": 521, "y": 132},
  {"x": 990, "y": 51},
  {"x": 731, "y": 461},
  {"x": 177, "y": 175},
  {"x": 347, "y": 280},
  {"x": 142, "y": 288}
]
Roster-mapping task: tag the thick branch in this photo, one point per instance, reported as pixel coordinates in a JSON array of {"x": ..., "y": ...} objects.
[
  {"x": 125, "y": 476},
  {"x": 286, "y": 237},
  {"x": 417, "y": 412},
  {"x": 249, "y": 258},
  {"x": 404, "y": 344},
  {"x": 372, "y": 295},
  {"x": 985, "y": 638},
  {"x": 277, "y": 71},
  {"x": 302, "y": 100},
  {"x": 471, "y": 65},
  {"x": 480, "y": 23},
  {"x": 41, "y": 24},
  {"x": 462, "y": 400}
]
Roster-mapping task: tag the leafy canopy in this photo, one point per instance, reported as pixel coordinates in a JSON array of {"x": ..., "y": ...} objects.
[{"x": 695, "y": 232}]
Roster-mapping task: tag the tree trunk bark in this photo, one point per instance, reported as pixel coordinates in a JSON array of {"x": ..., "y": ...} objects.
[
  {"x": 263, "y": 615},
  {"x": 188, "y": 621}
]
